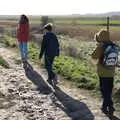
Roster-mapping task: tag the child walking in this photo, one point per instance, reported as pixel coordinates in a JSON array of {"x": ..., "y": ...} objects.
[
  {"x": 50, "y": 49},
  {"x": 23, "y": 37},
  {"x": 106, "y": 74}
]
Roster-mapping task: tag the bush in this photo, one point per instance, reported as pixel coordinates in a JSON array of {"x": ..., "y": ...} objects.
[
  {"x": 3, "y": 63},
  {"x": 9, "y": 42},
  {"x": 33, "y": 52},
  {"x": 76, "y": 71}
]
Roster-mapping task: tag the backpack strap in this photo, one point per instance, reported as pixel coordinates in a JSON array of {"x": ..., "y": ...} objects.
[
  {"x": 105, "y": 44},
  {"x": 102, "y": 55}
]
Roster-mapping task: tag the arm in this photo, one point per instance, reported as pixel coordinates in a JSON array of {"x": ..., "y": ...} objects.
[
  {"x": 97, "y": 52},
  {"x": 58, "y": 51},
  {"x": 42, "y": 47},
  {"x": 27, "y": 31},
  {"x": 17, "y": 31}
]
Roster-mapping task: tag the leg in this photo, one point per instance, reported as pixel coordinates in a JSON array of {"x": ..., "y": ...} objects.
[
  {"x": 107, "y": 86},
  {"x": 100, "y": 85},
  {"x": 111, "y": 109},
  {"x": 48, "y": 66},
  {"x": 25, "y": 50},
  {"x": 21, "y": 49},
  {"x": 110, "y": 91},
  {"x": 54, "y": 77},
  {"x": 104, "y": 105}
]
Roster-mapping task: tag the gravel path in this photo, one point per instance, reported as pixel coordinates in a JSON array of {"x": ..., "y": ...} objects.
[{"x": 25, "y": 95}]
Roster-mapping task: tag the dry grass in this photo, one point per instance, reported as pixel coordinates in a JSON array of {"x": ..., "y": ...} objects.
[
  {"x": 83, "y": 32},
  {"x": 79, "y": 32}
]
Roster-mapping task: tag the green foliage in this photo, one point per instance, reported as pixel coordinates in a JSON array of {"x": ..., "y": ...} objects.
[
  {"x": 9, "y": 42},
  {"x": 77, "y": 71},
  {"x": 76, "y": 49},
  {"x": 88, "y": 21},
  {"x": 33, "y": 52},
  {"x": 3, "y": 63}
]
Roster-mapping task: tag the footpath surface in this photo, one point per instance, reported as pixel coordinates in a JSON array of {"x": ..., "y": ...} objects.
[{"x": 25, "y": 95}]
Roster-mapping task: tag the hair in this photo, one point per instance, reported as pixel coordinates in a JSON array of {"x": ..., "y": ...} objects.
[
  {"x": 102, "y": 36},
  {"x": 24, "y": 19},
  {"x": 48, "y": 27}
]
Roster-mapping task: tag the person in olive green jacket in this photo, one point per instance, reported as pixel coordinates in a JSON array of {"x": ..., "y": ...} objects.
[{"x": 106, "y": 75}]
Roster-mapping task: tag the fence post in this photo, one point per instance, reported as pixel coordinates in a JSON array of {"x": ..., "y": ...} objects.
[{"x": 108, "y": 23}]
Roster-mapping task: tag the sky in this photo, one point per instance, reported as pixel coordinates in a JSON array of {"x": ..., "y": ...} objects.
[{"x": 57, "y": 7}]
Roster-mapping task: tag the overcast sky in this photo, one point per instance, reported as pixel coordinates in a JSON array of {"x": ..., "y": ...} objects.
[{"x": 57, "y": 7}]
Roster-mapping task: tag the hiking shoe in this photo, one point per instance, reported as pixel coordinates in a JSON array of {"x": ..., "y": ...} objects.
[
  {"x": 24, "y": 65},
  {"x": 55, "y": 80},
  {"x": 55, "y": 83},
  {"x": 111, "y": 111},
  {"x": 104, "y": 110},
  {"x": 50, "y": 82}
]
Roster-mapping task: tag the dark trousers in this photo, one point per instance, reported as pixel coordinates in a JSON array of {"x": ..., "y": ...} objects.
[
  {"x": 106, "y": 86},
  {"x": 48, "y": 66}
]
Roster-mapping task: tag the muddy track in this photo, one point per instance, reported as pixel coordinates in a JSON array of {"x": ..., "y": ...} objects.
[{"x": 25, "y": 95}]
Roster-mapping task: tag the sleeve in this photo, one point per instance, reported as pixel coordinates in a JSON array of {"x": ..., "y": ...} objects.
[
  {"x": 17, "y": 31},
  {"x": 43, "y": 46},
  {"x": 58, "y": 53},
  {"x": 97, "y": 52},
  {"x": 27, "y": 32}
]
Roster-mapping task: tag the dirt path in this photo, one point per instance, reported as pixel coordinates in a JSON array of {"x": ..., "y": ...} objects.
[{"x": 25, "y": 95}]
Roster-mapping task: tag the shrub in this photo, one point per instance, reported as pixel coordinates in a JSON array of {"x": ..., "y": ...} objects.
[
  {"x": 33, "y": 52},
  {"x": 76, "y": 71},
  {"x": 9, "y": 41},
  {"x": 3, "y": 62}
]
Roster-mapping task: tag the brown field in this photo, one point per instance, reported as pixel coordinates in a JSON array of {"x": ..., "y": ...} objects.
[{"x": 79, "y": 32}]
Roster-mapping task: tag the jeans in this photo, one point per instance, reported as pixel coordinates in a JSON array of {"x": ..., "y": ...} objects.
[
  {"x": 48, "y": 66},
  {"x": 106, "y": 86},
  {"x": 23, "y": 50}
]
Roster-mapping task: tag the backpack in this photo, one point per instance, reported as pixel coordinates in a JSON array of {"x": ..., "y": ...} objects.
[{"x": 110, "y": 55}]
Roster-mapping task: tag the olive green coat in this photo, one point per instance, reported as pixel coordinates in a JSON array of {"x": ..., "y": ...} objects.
[{"x": 101, "y": 70}]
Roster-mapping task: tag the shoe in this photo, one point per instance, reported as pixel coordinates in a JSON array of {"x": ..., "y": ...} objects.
[
  {"x": 25, "y": 65},
  {"x": 55, "y": 80},
  {"x": 50, "y": 81},
  {"x": 24, "y": 60},
  {"x": 111, "y": 111},
  {"x": 104, "y": 110}
]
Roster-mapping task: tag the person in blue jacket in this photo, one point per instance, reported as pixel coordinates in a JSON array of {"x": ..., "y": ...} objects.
[{"x": 50, "y": 49}]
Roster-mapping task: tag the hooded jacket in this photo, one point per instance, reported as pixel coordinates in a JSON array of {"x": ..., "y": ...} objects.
[
  {"x": 50, "y": 45},
  {"x": 102, "y": 37}
]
